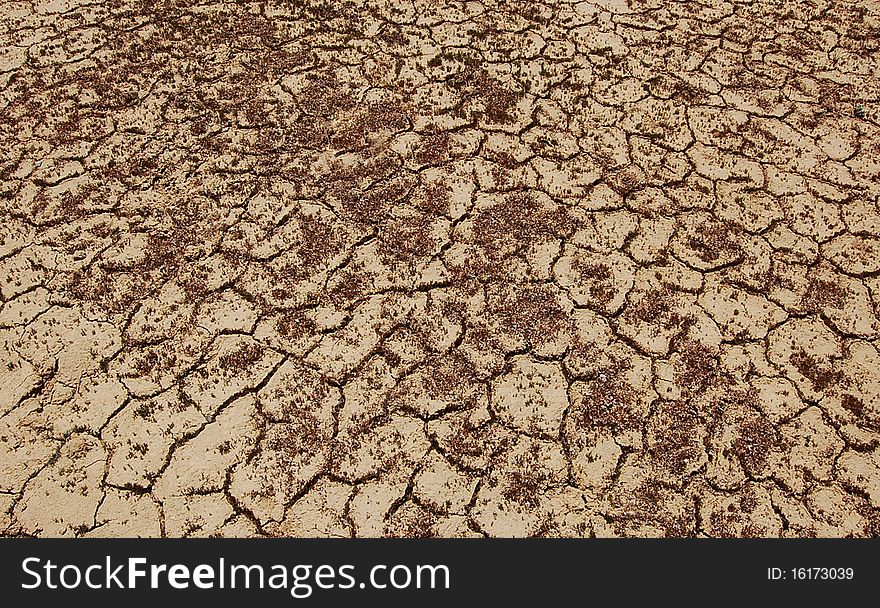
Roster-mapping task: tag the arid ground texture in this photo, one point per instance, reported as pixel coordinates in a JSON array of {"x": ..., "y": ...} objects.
[{"x": 437, "y": 268}]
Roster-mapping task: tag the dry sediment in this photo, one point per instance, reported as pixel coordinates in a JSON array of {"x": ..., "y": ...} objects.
[{"x": 435, "y": 268}]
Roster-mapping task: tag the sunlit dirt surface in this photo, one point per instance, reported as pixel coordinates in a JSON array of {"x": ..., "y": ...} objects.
[{"x": 493, "y": 268}]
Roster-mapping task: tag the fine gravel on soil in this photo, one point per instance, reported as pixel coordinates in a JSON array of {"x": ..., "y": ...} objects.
[{"x": 436, "y": 268}]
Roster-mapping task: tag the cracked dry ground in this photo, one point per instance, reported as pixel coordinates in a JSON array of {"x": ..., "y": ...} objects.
[{"x": 440, "y": 268}]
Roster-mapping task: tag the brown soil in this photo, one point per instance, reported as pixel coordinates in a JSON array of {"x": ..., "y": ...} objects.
[{"x": 436, "y": 268}]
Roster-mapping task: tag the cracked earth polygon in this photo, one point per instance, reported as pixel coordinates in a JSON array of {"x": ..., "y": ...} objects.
[{"x": 437, "y": 268}]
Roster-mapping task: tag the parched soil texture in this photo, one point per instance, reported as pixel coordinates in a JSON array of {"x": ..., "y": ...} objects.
[{"x": 437, "y": 268}]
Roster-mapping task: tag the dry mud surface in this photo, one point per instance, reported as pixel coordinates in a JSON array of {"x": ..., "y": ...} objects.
[{"x": 442, "y": 268}]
